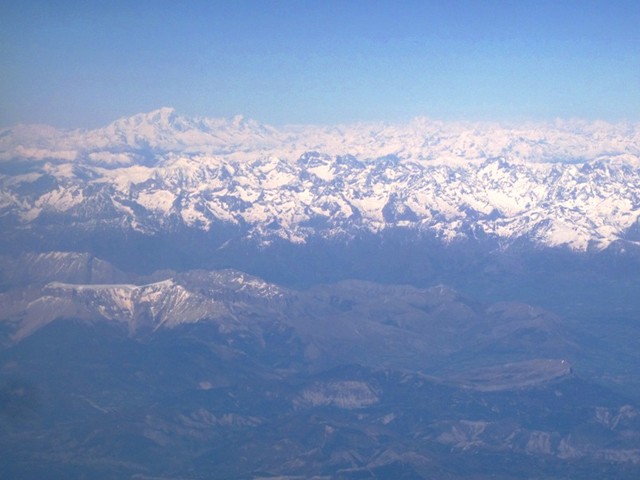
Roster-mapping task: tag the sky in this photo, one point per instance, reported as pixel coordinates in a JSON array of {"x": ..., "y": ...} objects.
[{"x": 83, "y": 64}]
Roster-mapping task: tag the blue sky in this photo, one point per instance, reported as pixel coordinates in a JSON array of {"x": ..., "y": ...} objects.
[{"x": 83, "y": 64}]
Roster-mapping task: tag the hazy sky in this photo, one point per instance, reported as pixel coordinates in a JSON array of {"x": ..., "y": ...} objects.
[{"x": 84, "y": 63}]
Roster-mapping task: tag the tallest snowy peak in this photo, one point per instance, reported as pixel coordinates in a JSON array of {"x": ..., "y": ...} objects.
[{"x": 163, "y": 115}]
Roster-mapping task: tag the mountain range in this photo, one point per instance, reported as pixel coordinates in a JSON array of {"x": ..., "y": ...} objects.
[
  {"x": 565, "y": 184},
  {"x": 191, "y": 298}
]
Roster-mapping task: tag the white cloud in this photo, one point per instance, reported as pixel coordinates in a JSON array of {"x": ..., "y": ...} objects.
[{"x": 110, "y": 158}]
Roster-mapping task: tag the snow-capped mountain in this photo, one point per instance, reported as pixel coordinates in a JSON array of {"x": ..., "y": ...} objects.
[
  {"x": 567, "y": 183},
  {"x": 228, "y": 298}
]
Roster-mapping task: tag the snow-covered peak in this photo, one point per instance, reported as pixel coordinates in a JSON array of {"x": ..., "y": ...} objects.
[{"x": 163, "y": 119}]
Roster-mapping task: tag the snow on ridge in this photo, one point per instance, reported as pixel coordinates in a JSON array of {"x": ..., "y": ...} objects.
[
  {"x": 159, "y": 304},
  {"x": 191, "y": 298},
  {"x": 109, "y": 286}
]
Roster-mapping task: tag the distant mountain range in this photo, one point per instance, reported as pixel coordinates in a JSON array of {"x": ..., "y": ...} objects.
[{"x": 567, "y": 184}]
